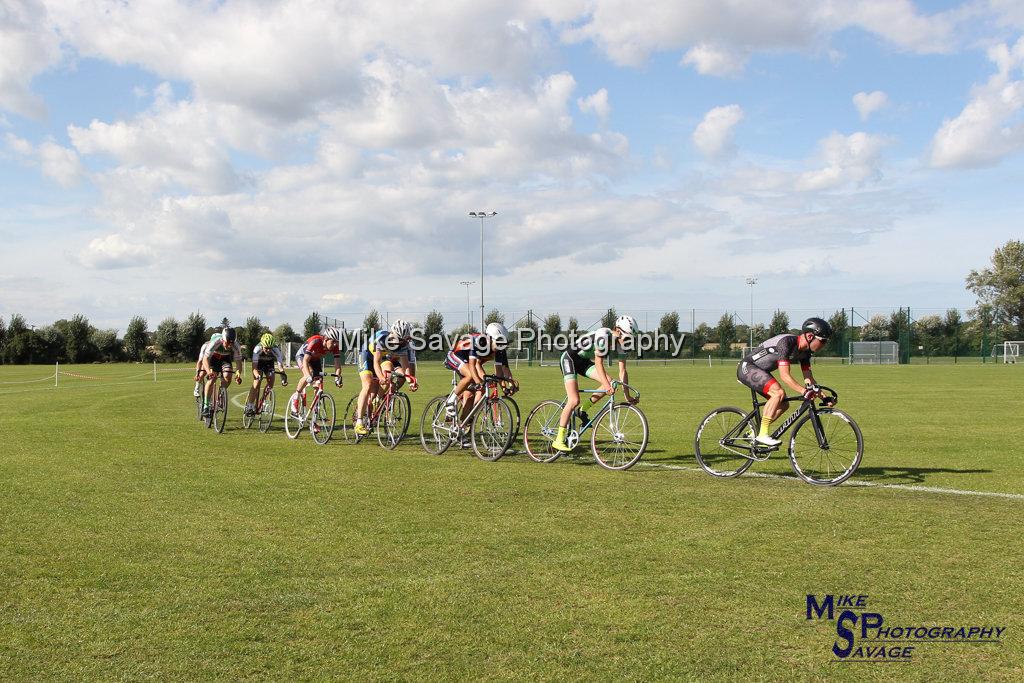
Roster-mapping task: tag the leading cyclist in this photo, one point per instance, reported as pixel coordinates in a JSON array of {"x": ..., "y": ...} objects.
[
  {"x": 376, "y": 361},
  {"x": 755, "y": 370}
]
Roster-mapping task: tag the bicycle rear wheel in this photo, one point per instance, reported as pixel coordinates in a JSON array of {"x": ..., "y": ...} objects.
[
  {"x": 833, "y": 461},
  {"x": 267, "y": 414},
  {"x": 619, "y": 437},
  {"x": 220, "y": 416},
  {"x": 321, "y": 420},
  {"x": 517, "y": 423},
  {"x": 437, "y": 429},
  {"x": 393, "y": 422},
  {"x": 540, "y": 430},
  {"x": 491, "y": 431},
  {"x": 715, "y": 457}
]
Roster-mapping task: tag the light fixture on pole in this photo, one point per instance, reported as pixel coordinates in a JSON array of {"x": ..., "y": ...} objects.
[
  {"x": 469, "y": 310},
  {"x": 751, "y": 281},
  {"x": 482, "y": 215}
]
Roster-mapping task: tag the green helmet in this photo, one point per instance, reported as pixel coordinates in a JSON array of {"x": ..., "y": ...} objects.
[{"x": 267, "y": 341}]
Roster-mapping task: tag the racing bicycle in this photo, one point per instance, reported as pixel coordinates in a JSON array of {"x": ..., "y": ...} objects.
[
  {"x": 389, "y": 414},
  {"x": 265, "y": 405},
  {"x": 825, "y": 448},
  {"x": 218, "y": 414},
  {"x": 319, "y": 415},
  {"x": 490, "y": 423},
  {"x": 619, "y": 431}
]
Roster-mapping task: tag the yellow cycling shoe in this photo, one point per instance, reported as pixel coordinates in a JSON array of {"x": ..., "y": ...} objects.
[
  {"x": 361, "y": 429},
  {"x": 560, "y": 445}
]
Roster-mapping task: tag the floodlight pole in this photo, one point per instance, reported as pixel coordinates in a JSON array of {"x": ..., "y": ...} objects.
[
  {"x": 482, "y": 215},
  {"x": 751, "y": 281},
  {"x": 469, "y": 310}
]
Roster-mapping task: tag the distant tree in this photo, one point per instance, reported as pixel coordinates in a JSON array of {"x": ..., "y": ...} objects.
[
  {"x": 608, "y": 319},
  {"x": 953, "y": 332},
  {"x": 19, "y": 341},
  {"x": 553, "y": 325},
  {"x": 249, "y": 335},
  {"x": 284, "y": 334},
  {"x": 192, "y": 335},
  {"x": 1001, "y": 287},
  {"x": 3, "y": 339},
  {"x": 494, "y": 316},
  {"x": 760, "y": 333},
  {"x": 725, "y": 333},
  {"x": 837, "y": 345},
  {"x": 702, "y": 335},
  {"x": 136, "y": 337},
  {"x": 573, "y": 326},
  {"x": 779, "y": 323},
  {"x": 899, "y": 323},
  {"x": 224, "y": 322},
  {"x": 312, "y": 326},
  {"x": 166, "y": 337},
  {"x": 463, "y": 330},
  {"x": 523, "y": 340},
  {"x": 433, "y": 325},
  {"x": 669, "y": 324},
  {"x": 372, "y": 321},
  {"x": 77, "y": 335},
  {"x": 108, "y": 346},
  {"x": 875, "y": 329},
  {"x": 928, "y": 331},
  {"x": 48, "y": 344}
]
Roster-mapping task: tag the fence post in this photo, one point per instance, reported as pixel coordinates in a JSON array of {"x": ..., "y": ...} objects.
[
  {"x": 56, "y": 372},
  {"x": 154, "y": 370}
]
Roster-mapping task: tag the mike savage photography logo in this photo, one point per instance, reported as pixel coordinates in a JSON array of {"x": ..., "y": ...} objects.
[
  {"x": 864, "y": 635},
  {"x": 524, "y": 338}
]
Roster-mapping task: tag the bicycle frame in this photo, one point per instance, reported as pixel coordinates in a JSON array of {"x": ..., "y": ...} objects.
[
  {"x": 608, "y": 404},
  {"x": 490, "y": 389},
  {"x": 753, "y": 419},
  {"x": 262, "y": 396}
]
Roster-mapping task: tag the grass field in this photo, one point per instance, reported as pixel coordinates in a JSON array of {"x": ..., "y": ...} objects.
[{"x": 135, "y": 544}]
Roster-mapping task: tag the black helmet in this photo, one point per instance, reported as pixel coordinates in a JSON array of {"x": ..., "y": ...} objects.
[
  {"x": 818, "y": 327},
  {"x": 228, "y": 334}
]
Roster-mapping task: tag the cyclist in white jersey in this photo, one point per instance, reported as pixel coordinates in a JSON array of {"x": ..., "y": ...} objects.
[{"x": 265, "y": 357}]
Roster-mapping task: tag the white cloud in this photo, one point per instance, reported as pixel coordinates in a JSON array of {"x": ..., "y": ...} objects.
[
  {"x": 114, "y": 251},
  {"x": 55, "y": 161},
  {"x": 29, "y": 47},
  {"x": 714, "y": 134},
  {"x": 868, "y": 103},
  {"x": 989, "y": 127},
  {"x": 596, "y": 104},
  {"x": 712, "y": 60},
  {"x": 847, "y": 159}
]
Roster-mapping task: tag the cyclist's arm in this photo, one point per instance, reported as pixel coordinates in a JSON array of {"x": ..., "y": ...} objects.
[
  {"x": 307, "y": 370},
  {"x": 788, "y": 380},
  {"x": 408, "y": 367},
  {"x": 378, "y": 356},
  {"x": 337, "y": 366},
  {"x": 476, "y": 369},
  {"x": 279, "y": 358}
]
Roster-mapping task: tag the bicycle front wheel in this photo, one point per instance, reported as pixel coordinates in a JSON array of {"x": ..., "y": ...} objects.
[
  {"x": 348, "y": 421},
  {"x": 491, "y": 431},
  {"x": 247, "y": 419},
  {"x": 321, "y": 420},
  {"x": 540, "y": 430},
  {"x": 619, "y": 438},
  {"x": 393, "y": 422},
  {"x": 267, "y": 414},
  {"x": 292, "y": 421},
  {"x": 220, "y": 416},
  {"x": 437, "y": 429},
  {"x": 718, "y": 442},
  {"x": 835, "y": 457}
]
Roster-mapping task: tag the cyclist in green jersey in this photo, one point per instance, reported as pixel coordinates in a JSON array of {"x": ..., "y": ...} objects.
[{"x": 587, "y": 357}]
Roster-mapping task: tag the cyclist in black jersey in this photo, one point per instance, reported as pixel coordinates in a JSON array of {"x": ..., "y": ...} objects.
[{"x": 779, "y": 352}]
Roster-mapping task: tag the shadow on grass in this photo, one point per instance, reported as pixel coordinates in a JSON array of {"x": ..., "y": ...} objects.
[{"x": 915, "y": 475}]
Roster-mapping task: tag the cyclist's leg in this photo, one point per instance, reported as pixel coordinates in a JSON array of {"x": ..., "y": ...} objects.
[
  {"x": 254, "y": 390},
  {"x": 572, "y": 398},
  {"x": 763, "y": 383}
]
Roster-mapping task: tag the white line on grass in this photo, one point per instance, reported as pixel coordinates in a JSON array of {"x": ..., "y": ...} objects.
[{"x": 854, "y": 482}]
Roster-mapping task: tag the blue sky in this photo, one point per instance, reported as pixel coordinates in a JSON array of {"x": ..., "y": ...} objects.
[{"x": 273, "y": 158}]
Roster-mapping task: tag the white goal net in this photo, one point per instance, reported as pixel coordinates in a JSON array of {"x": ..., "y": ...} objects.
[{"x": 874, "y": 353}]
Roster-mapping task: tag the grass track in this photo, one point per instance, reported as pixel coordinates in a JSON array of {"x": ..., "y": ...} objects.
[{"x": 135, "y": 544}]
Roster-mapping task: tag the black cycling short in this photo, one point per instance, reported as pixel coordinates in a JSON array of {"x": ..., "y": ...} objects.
[
  {"x": 217, "y": 364},
  {"x": 573, "y": 365},
  {"x": 754, "y": 377},
  {"x": 265, "y": 367}
]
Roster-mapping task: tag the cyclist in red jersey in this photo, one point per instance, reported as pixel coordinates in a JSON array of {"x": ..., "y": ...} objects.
[{"x": 310, "y": 359}]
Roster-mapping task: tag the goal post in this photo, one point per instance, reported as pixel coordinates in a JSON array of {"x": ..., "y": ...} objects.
[
  {"x": 1011, "y": 351},
  {"x": 874, "y": 353}
]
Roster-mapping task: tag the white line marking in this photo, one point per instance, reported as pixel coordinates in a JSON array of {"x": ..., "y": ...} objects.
[{"x": 851, "y": 482}]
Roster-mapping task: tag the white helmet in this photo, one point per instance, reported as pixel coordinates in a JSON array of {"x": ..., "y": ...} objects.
[
  {"x": 331, "y": 333},
  {"x": 499, "y": 334},
  {"x": 627, "y": 324},
  {"x": 400, "y": 329}
]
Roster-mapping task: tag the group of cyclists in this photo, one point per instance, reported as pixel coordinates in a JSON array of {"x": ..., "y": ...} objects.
[{"x": 390, "y": 351}]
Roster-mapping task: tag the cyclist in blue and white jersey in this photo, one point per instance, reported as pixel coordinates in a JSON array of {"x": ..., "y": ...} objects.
[{"x": 377, "y": 360}]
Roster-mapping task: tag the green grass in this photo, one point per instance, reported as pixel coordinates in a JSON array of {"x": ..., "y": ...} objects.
[{"x": 135, "y": 544}]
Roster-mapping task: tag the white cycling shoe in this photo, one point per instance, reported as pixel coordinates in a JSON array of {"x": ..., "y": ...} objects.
[{"x": 765, "y": 440}]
